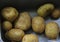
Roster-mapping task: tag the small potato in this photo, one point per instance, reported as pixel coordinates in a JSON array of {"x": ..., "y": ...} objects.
[
  {"x": 52, "y": 30},
  {"x": 9, "y": 13},
  {"x": 24, "y": 21},
  {"x": 14, "y": 34},
  {"x": 30, "y": 38},
  {"x": 45, "y": 9},
  {"x": 38, "y": 24},
  {"x": 7, "y": 25},
  {"x": 56, "y": 13}
]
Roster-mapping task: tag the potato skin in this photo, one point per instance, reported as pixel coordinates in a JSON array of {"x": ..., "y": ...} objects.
[
  {"x": 45, "y": 9},
  {"x": 52, "y": 30},
  {"x": 14, "y": 34},
  {"x": 56, "y": 13},
  {"x": 7, "y": 25},
  {"x": 24, "y": 21},
  {"x": 30, "y": 38},
  {"x": 9, "y": 13},
  {"x": 38, "y": 24}
]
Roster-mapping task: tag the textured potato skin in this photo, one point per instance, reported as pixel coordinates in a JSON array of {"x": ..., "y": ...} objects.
[
  {"x": 38, "y": 24},
  {"x": 52, "y": 30},
  {"x": 14, "y": 34},
  {"x": 56, "y": 13},
  {"x": 45, "y": 9},
  {"x": 24, "y": 21},
  {"x": 30, "y": 38},
  {"x": 7, "y": 25},
  {"x": 9, "y": 13}
]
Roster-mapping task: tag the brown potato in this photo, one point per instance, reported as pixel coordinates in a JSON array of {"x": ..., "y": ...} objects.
[
  {"x": 9, "y": 13},
  {"x": 38, "y": 24},
  {"x": 7, "y": 25},
  {"x": 45, "y": 9},
  {"x": 24, "y": 21},
  {"x": 30, "y": 38},
  {"x": 56, "y": 13},
  {"x": 52, "y": 30},
  {"x": 14, "y": 34}
]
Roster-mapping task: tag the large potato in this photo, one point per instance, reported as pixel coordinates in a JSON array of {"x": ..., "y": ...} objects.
[
  {"x": 14, "y": 34},
  {"x": 30, "y": 38},
  {"x": 56, "y": 13},
  {"x": 45, "y": 9},
  {"x": 7, "y": 25},
  {"x": 38, "y": 24},
  {"x": 9, "y": 13},
  {"x": 52, "y": 30},
  {"x": 24, "y": 21}
]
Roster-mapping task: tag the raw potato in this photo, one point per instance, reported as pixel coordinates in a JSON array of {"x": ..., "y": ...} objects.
[
  {"x": 45, "y": 9},
  {"x": 38, "y": 24},
  {"x": 9, "y": 13},
  {"x": 7, "y": 25},
  {"x": 30, "y": 38},
  {"x": 56, "y": 13},
  {"x": 24, "y": 21},
  {"x": 15, "y": 34},
  {"x": 52, "y": 30}
]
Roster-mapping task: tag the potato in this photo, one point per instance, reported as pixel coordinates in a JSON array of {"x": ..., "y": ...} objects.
[
  {"x": 56, "y": 13},
  {"x": 24, "y": 21},
  {"x": 38, "y": 24},
  {"x": 45, "y": 9},
  {"x": 52, "y": 30},
  {"x": 30, "y": 38},
  {"x": 9, "y": 13},
  {"x": 15, "y": 34},
  {"x": 7, "y": 25}
]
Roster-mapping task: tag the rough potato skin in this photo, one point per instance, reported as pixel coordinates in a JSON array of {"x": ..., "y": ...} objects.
[
  {"x": 14, "y": 34},
  {"x": 38, "y": 24},
  {"x": 56, "y": 13},
  {"x": 45, "y": 9},
  {"x": 52, "y": 30},
  {"x": 9, "y": 13},
  {"x": 24, "y": 21},
  {"x": 7, "y": 25},
  {"x": 30, "y": 38}
]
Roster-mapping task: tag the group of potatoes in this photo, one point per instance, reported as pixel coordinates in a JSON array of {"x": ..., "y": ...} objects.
[{"x": 23, "y": 23}]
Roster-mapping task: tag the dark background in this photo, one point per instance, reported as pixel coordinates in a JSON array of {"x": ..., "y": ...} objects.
[{"x": 23, "y": 4}]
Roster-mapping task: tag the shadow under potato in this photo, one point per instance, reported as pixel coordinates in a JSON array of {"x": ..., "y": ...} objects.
[{"x": 54, "y": 18}]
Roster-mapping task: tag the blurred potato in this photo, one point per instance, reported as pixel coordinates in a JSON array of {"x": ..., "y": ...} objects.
[
  {"x": 7, "y": 25},
  {"x": 24, "y": 21},
  {"x": 9, "y": 13},
  {"x": 52, "y": 30},
  {"x": 56, "y": 13},
  {"x": 45, "y": 9},
  {"x": 14, "y": 34},
  {"x": 38, "y": 24},
  {"x": 30, "y": 38}
]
